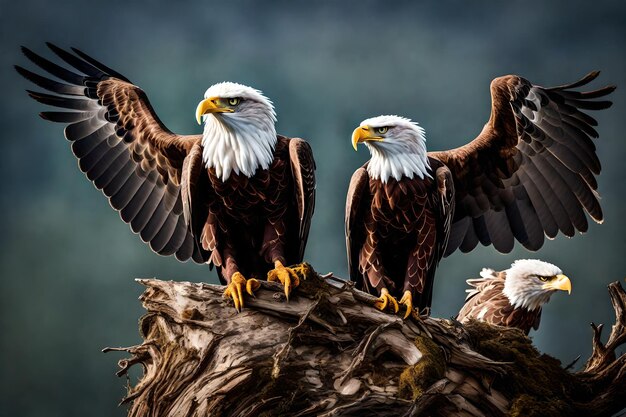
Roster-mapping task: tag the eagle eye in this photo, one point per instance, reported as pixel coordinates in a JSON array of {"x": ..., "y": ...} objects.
[
  {"x": 382, "y": 130},
  {"x": 543, "y": 279},
  {"x": 234, "y": 101}
]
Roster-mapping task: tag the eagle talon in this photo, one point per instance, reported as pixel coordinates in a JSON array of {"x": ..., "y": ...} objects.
[
  {"x": 407, "y": 300},
  {"x": 302, "y": 270},
  {"x": 416, "y": 315},
  {"x": 238, "y": 283},
  {"x": 252, "y": 285},
  {"x": 288, "y": 277},
  {"x": 385, "y": 300}
]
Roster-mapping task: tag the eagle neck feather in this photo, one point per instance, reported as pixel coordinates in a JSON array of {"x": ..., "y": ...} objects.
[
  {"x": 397, "y": 160},
  {"x": 232, "y": 144}
]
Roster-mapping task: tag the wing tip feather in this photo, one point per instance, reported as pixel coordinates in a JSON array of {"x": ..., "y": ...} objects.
[
  {"x": 592, "y": 75},
  {"x": 35, "y": 95},
  {"x": 20, "y": 70},
  {"x": 30, "y": 54},
  {"x": 28, "y": 75},
  {"x": 26, "y": 51},
  {"x": 58, "y": 51},
  {"x": 44, "y": 115}
]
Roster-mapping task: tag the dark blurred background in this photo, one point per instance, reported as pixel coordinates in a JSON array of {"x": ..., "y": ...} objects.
[{"x": 68, "y": 262}]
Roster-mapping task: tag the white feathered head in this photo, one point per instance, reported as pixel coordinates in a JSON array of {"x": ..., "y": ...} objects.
[
  {"x": 529, "y": 283},
  {"x": 397, "y": 145},
  {"x": 239, "y": 129}
]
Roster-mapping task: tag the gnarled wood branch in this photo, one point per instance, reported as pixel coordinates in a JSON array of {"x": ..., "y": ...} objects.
[
  {"x": 603, "y": 355},
  {"x": 328, "y": 352}
]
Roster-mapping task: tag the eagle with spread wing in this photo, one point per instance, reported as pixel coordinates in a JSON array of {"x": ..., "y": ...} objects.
[
  {"x": 529, "y": 174},
  {"x": 513, "y": 297},
  {"x": 238, "y": 197}
]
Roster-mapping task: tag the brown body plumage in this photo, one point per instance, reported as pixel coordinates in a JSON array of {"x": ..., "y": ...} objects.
[
  {"x": 411, "y": 217},
  {"x": 251, "y": 222},
  {"x": 530, "y": 173},
  {"x": 161, "y": 185}
]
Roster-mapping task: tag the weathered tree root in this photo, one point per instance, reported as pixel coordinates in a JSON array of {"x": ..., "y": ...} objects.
[{"x": 327, "y": 352}]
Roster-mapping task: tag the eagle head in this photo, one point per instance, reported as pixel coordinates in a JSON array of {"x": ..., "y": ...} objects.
[
  {"x": 239, "y": 129},
  {"x": 397, "y": 145},
  {"x": 529, "y": 283}
]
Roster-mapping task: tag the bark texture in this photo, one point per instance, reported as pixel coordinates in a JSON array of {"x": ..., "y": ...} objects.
[{"x": 328, "y": 352}]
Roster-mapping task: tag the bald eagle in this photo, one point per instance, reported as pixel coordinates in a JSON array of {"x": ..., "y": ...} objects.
[
  {"x": 514, "y": 297},
  {"x": 530, "y": 173},
  {"x": 238, "y": 197}
]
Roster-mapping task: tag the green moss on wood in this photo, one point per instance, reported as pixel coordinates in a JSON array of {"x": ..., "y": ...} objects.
[
  {"x": 527, "y": 406},
  {"x": 537, "y": 383},
  {"x": 429, "y": 369}
]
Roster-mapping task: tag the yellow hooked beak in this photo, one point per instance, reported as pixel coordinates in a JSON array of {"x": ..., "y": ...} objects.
[
  {"x": 210, "y": 105},
  {"x": 362, "y": 134},
  {"x": 561, "y": 282}
]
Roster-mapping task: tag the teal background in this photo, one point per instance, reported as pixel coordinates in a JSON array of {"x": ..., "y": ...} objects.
[{"x": 67, "y": 262}]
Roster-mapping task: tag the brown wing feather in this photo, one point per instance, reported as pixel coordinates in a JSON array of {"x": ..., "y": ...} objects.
[
  {"x": 122, "y": 147},
  {"x": 196, "y": 192},
  {"x": 531, "y": 171},
  {"x": 486, "y": 302},
  {"x": 484, "y": 293},
  {"x": 303, "y": 172},
  {"x": 446, "y": 204},
  {"x": 357, "y": 200}
]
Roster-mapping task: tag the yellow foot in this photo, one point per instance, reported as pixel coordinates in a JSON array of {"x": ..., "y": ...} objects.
[
  {"x": 385, "y": 300},
  {"x": 236, "y": 287},
  {"x": 286, "y": 276},
  {"x": 303, "y": 270},
  {"x": 407, "y": 300}
]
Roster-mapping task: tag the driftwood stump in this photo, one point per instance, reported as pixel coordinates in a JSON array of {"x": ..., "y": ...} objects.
[{"x": 328, "y": 352}]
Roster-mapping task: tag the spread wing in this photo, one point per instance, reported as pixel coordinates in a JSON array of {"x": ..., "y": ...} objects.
[
  {"x": 303, "y": 172},
  {"x": 121, "y": 146},
  {"x": 357, "y": 201},
  {"x": 531, "y": 171}
]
